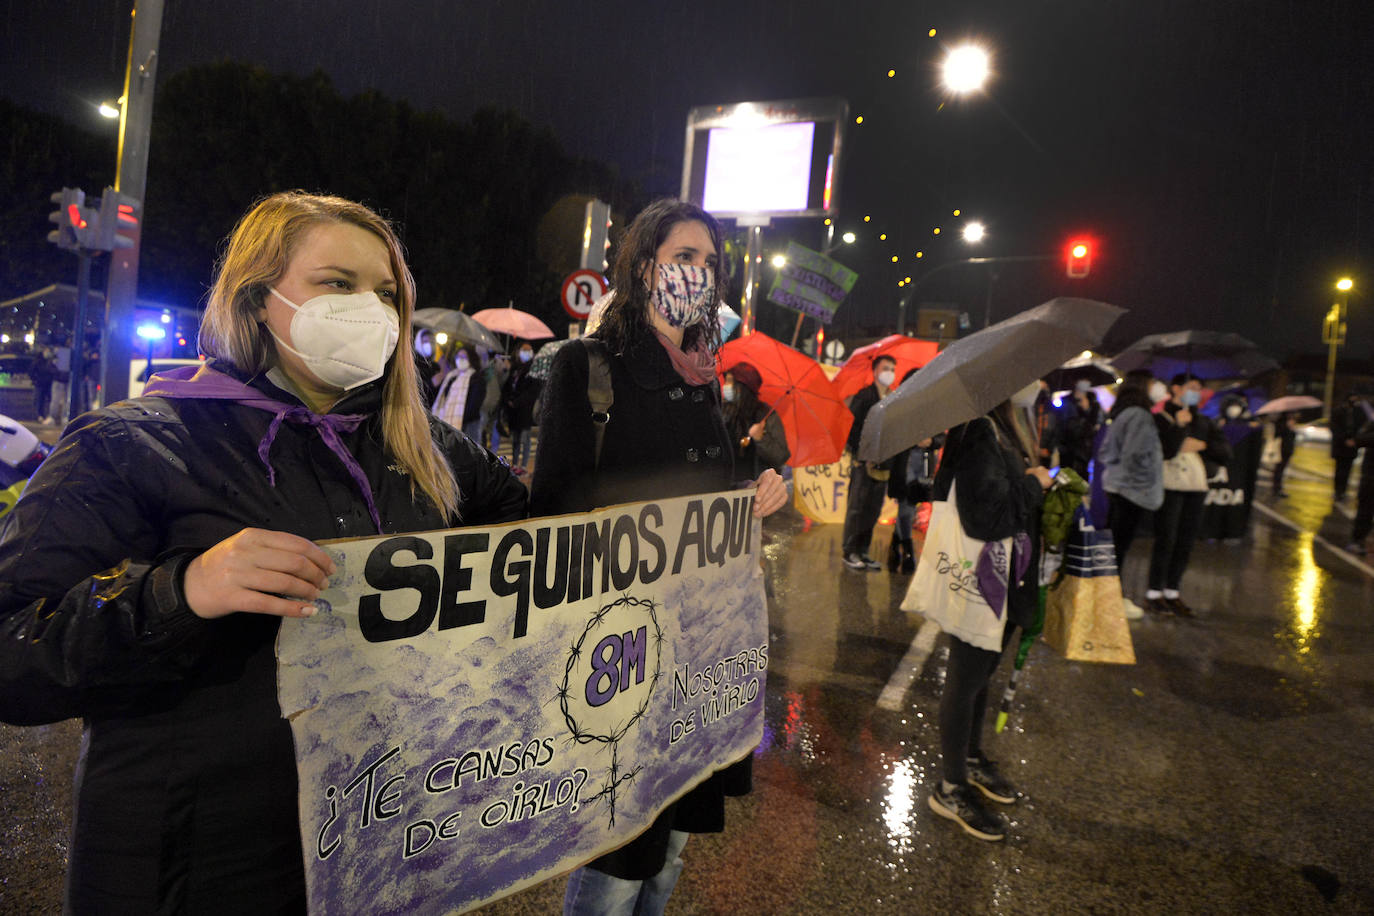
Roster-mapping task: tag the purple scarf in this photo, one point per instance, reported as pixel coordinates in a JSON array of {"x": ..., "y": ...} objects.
[
  {"x": 203, "y": 382},
  {"x": 992, "y": 560}
]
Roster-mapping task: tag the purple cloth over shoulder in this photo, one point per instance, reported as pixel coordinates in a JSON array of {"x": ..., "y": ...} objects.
[
  {"x": 992, "y": 560},
  {"x": 203, "y": 382}
]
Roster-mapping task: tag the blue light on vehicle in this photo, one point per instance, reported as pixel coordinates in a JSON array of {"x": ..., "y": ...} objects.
[{"x": 151, "y": 332}]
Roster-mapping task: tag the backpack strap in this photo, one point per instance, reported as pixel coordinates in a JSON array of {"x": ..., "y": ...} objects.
[{"x": 599, "y": 391}]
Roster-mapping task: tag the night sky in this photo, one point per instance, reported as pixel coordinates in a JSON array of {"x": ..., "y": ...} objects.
[{"x": 1221, "y": 152}]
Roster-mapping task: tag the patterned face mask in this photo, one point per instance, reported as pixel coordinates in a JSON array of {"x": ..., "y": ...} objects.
[{"x": 684, "y": 293}]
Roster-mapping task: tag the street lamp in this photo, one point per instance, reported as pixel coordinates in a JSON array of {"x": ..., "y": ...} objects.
[
  {"x": 849, "y": 238},
  {"x": 973, "y": 232},
  {"x": 1333, "y": 335},
  {"x": 779, "y": 261},
  {"x": 965, "y": 69}
]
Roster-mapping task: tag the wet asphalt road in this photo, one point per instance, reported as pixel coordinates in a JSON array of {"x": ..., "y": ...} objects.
[{"x": 1227, "y": 771}]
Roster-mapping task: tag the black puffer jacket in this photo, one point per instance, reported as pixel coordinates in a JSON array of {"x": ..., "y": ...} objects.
[
  {"x": 665, "y": 438},
  {"x": 187, "y": 793}
]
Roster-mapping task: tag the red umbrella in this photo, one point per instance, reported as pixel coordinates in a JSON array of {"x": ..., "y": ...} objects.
[
  {"x": 514, "y": 322},
  {"x": 814, "y": 420},
  {"x": 857, "y": 371}
]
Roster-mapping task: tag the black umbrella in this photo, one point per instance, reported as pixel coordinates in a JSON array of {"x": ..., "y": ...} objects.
[
  {"x": 976, "y": 373},
  {"x": 1096, "y": 371},
  {"x": 1206, "y": 354}
]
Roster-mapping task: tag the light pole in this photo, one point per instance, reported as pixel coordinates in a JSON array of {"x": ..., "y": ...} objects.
[{"x": 1333, "y": 335}]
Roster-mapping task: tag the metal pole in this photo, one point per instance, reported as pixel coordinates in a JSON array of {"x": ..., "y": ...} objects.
[
  {"x": 1333, "y": 334},
  {"x": 753, "y": 255},
  {"x": 987, "y": 309},
  {"x": 135, "y": 120},
  {"x": 76, "y": 376}
]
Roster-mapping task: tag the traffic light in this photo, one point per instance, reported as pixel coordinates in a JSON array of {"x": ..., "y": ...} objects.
[
  {"x": 118, "y": 214},
  {"x": 75, "y": 221},
  {"x": 1078, "y": 258}
]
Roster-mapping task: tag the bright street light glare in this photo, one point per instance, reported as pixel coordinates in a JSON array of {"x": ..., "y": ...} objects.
[
  {"x": 966, "y": 69},
  {"x": 107, "y": 110},
  {"x": 1345, "y": 284},
  {"x": 441, "y": 338},
  {"x": 779, "y": 260},
  {"x": 849, "y": 238},
  {"x": 973, "y": 232}
]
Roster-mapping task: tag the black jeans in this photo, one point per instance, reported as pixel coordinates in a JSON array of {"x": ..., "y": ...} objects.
[
  {"x": 1342, "y": 478},
  {"x": 1285, "y": 455},
  {"x": 1364, "y": 507},
  {"x": 865, "y": 505},
  {"x": 1176, "y": 526},
  {"x": 964, "y": 701},
  {"x": 1123, "y": 518}
]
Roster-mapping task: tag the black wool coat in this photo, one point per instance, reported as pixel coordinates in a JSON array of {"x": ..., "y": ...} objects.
[
  {"x": 664, "y": 438},
  {"x": 186, "y": 795}
]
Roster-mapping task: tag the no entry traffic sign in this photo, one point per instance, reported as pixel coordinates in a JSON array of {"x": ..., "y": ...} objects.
[{"x": 580, "y": 290}]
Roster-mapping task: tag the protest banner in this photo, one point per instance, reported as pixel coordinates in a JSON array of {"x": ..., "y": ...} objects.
[
  {"x": 478, "y": 710},
  {"x": 811, "y": 283}
]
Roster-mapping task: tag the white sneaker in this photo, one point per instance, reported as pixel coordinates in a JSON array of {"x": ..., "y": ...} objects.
[{"x": 1132, "y": 610}]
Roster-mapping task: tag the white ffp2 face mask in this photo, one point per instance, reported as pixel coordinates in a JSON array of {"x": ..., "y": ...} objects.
[{"x": 345, "y": 339}]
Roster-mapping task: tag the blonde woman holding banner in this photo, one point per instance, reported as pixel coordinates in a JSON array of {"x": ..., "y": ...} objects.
[{"x": 147, "y": 566}]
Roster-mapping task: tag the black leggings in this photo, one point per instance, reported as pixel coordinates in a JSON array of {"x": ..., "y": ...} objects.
[
  {"x": 964, "y": 701},
  {"x": 1123, "y": 518}
]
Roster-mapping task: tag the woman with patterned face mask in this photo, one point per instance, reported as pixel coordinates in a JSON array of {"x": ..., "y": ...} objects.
[
  {"x": 663, "y": 436},
  {"x": 147, "y": 566}
]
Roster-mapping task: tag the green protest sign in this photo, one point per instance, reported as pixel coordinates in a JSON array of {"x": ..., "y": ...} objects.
[{"x": 811, "y": 283}]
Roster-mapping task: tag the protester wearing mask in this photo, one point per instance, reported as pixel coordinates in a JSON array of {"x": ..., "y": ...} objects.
[
  {"x": 459, "y": 399},
  {"x": 427, "y": 366},
  {"x": 867, "y": 479},
  {"x": 992, "y": 464},
  {"x": 663, "y": 436},
  {"x": 521, "y": 394},
  {"x": 1189, "y": 443},
  {"x": 1076, "y": 426},
  {"x": 145, "y": 569},
  {"x": 1130, "y": 463},
  {"x": 753, "y": 425}
]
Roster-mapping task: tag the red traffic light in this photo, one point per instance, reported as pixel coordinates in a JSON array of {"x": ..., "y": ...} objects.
[{"x": 1078, "y": 258}]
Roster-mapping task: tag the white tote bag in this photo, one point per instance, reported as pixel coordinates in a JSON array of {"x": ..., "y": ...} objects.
[{"x": 945, "y": 587}]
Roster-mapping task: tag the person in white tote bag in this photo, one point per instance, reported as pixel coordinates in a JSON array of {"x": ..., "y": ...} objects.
[{"x": 978, "y": 579}]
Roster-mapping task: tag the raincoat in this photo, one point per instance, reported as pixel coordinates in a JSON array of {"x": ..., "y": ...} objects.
[{"x": 186, "y": 791}]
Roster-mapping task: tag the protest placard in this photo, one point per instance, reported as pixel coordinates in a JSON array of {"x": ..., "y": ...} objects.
[
  {"x": 811, "y": 283},
  {"x": 478, "y": 710}
]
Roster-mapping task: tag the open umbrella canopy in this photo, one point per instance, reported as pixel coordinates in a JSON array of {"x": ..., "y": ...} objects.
[
  {"x": 908, "y": 352},
  {"x": 543, "y": 360},
  {"x": 456, "y": 324},
  {"x": 512, "y": 321},
  {"x": 1289, "y": 403},
  {"x": 1096, "y": 371},
  {"x": 976, "y": 373},
  {"x": 1206, "y": 354},
  {"x": 814, "y": 420}
]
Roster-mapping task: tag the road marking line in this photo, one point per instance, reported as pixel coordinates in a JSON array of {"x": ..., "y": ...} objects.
[
  {"x": 1318, "y": 539},
  {"x": 909, "y": 668}
]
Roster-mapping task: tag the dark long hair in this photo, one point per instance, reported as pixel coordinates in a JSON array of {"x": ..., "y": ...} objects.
[
  {"x": 1134, "y": 392},
  {"x": 625, "y": 318}
]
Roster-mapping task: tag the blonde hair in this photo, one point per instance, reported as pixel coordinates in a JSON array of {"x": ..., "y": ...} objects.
[{"x": 256, "y": 256}]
